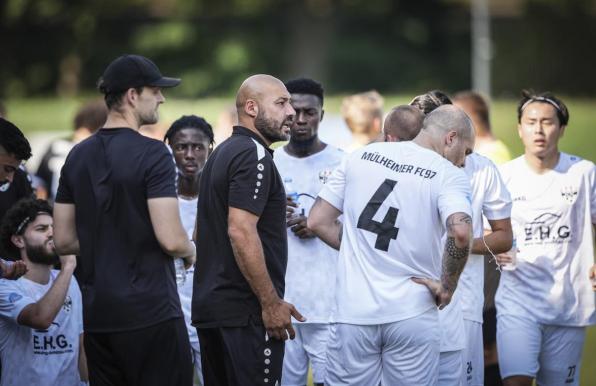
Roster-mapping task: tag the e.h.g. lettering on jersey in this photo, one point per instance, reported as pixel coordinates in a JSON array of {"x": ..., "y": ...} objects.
[{"x": 396, "y": 167}]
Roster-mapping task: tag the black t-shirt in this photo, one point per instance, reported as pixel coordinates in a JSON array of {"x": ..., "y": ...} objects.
[
  {"x": 20, "y": 187},
  {"x": 241, "y": 174},
  {"x": 126, "y": 279}
]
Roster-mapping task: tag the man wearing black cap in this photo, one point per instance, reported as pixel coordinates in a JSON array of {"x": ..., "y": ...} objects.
[{"x": 116, "y": 208}]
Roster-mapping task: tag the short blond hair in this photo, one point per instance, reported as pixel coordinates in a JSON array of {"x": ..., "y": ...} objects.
[{"x": 360, "y": 110}]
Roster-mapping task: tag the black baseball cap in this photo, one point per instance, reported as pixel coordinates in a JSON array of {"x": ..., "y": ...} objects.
[{"x": 128, "y": 71}]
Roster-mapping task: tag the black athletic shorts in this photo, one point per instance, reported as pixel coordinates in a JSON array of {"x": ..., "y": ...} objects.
[
  {"x": 158, "y": 355},
  {"x": 240, "y": 356}
]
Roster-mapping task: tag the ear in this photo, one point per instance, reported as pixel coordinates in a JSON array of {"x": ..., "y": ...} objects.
[
  {"x": 322, "y": 115},
  {"x": 519, "y": 130},
  {"x": 132, "y": 96},
  {"x": 251, "y": 108},
  {"x": 562, "y": 131},
  {"x": 450, "y": 137},
  {"x": 18, "y": 241},
  {"x": 391, "y": 138}
]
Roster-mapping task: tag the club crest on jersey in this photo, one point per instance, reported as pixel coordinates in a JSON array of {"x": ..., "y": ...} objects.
[
  {"x": 569, "y": 193},
  {"x": 67, "y": 306},
  {"x": 324, "y": 175}
]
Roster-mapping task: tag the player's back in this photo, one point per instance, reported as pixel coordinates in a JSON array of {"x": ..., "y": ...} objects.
[{"x": 396, "y": 197}]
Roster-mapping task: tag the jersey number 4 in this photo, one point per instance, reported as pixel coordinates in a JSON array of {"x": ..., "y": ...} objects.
[{"x": 385, "y": 230}]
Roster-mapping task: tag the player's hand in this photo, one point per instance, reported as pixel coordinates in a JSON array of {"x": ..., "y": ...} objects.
[
  {"x": 277, "y": 318},
  {"x": 298, "y": 226},
  {"x": 441, "y": 294},
  {"x": 504, "y": 259},
  {"x": 593, "y": 277},
  {"x": 190, "y": 260},
  {"x": 13, "y": 270},
  {"x": 290, "y": 208},
  {"x": 68, "y": 262}
]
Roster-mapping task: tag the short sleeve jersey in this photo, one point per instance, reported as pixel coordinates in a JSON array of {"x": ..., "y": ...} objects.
[
  {"x": 552, "y": 219},
  {"x": 126, "y": 279},
  {"x": 310, "y": 277},
  {"x": 395, "y": 198},
  {"x": 39, "y": 357},
  {"x": 188, "y": 215},
  {"x": 491, "y": 200},
  {"x": 240, "y": 173}
]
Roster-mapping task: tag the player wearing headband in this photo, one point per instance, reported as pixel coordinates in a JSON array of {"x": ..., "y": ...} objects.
[
  {"x": 545, "y": 299},
  {"x": 41, "y": 314}
]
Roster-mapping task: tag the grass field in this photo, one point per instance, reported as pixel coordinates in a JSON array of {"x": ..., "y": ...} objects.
[{"x": 47, "y": 115}]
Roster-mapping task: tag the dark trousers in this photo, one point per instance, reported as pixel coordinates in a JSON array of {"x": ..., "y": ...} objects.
[
  {"x": 158, "y": 355},
  {"x": 240, "y": 356}
]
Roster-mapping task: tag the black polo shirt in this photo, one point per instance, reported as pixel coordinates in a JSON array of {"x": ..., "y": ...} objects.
[
  {"x": 126, "y": 279},
  {"x": 10, "y": 193},
  {"x": 241, "y": 174}
]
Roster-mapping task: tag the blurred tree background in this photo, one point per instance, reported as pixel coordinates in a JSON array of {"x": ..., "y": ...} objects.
[{"x": 61, "y": 47}]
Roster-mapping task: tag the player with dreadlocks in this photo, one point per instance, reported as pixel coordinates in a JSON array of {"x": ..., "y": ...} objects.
[{"x": 191, "y": 140}]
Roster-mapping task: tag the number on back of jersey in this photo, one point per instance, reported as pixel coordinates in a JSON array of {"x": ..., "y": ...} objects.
[{"x": 385, "y": 230}]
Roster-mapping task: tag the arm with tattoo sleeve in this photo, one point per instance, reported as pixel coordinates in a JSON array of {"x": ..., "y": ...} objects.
[{"x": 456, "y": 252}]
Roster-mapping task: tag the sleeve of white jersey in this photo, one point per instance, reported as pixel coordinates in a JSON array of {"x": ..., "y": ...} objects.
[
  {"x": 12, "y": 300},
  {"x": 334, "y": 190},
  {"x": 454, "y": 194},
  {"x": 592, "y": 182},
  {"x": 497, "y": 200}
]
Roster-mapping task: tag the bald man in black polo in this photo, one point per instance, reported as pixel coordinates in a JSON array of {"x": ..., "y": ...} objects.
[{"x": 238, "y": 306}]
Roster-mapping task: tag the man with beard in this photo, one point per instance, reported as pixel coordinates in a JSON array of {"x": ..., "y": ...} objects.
[
  {"x": 120, "y": 187},
  {"x": 41, "y": 315},
  {"x": 238, "y": 307},
  {"x": 306, "y": 163}
]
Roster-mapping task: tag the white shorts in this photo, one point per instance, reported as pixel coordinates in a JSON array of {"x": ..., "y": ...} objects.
[
  {"x": 196, "y": 360},
  {"x": 451, "y": 368},
  {"x": 473, "y": 354},
  {"x": 399, "y": 353},
  {"x": 551, "y": 354},
  {"x": 310, "y": 344}
]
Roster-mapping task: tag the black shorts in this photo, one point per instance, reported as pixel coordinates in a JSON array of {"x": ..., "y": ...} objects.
[
  {"x": 158, "y": 355},
  {"x": 240, "y": 356}
]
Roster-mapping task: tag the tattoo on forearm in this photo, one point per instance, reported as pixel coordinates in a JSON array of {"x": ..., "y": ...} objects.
[
  {"x": 454, "y": 261},
  {"x": 454, "y": 251}
]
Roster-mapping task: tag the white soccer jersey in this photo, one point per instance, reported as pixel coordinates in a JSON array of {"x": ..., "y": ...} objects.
[
  {"x": 39, "y": 357},
  {"x": 552, "y": 219},
  {"x": 491, "y": 199},
  {"x": 310, "y": 274},
  {"x": 395, "y": 198},
  {"x": 188, "y": 215}
]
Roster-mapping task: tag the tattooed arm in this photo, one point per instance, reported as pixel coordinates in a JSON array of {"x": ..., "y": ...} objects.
[
  {"x": 457, "y": 248},
  {"x": 322, "y": 220}
]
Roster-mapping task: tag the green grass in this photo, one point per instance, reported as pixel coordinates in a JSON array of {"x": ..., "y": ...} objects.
[{"x": 55, "y": 114}]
